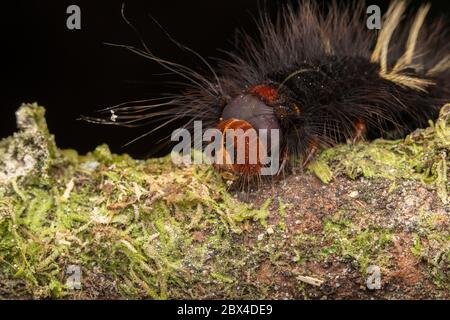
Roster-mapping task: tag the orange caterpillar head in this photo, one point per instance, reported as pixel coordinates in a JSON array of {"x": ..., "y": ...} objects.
[{"x": 243, "y": 117}]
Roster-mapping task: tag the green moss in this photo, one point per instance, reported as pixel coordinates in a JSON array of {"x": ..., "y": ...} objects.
[
  {"x": 423, "y": 156},
  {"x": 431, "y": 244},
  {"x": 364, "y": 246},
  {"x": 322, "y": 170},
  {"x": 417, "y": 246},
  {"x": 144, "y": 223}
]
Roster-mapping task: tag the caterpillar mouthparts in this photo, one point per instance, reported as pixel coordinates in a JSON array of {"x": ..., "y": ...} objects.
[{"x": 318, "y": 78}]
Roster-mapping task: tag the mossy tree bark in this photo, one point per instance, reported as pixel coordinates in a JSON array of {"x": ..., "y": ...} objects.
[{"x": 109, "y": 226}]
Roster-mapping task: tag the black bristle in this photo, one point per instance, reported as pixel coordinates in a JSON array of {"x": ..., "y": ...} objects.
[{"x": 335, "y": 79}]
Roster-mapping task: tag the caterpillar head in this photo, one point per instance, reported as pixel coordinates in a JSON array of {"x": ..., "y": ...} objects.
[{"x": 246, "y": 116}]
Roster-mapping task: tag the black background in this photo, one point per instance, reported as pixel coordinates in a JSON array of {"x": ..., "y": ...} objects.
[
  {"x": 302, "y": 309},
  {"x": 72, "y": 72}
]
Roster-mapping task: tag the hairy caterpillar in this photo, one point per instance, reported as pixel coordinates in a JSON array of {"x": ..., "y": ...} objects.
[{"x": 321, "y": 78}]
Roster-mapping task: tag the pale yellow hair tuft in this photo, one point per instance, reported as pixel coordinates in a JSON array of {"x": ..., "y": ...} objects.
[{"x": 380, "y": 54}]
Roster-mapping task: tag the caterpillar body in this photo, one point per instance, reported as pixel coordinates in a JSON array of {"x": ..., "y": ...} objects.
[{"x": 319, "y": 78}]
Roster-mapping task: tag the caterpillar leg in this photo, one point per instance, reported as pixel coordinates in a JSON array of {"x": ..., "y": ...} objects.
[
  {"x": 360, "y": 131},
  {"x": 284, "y": 161},
  {"x": 312, "y": 151}
]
